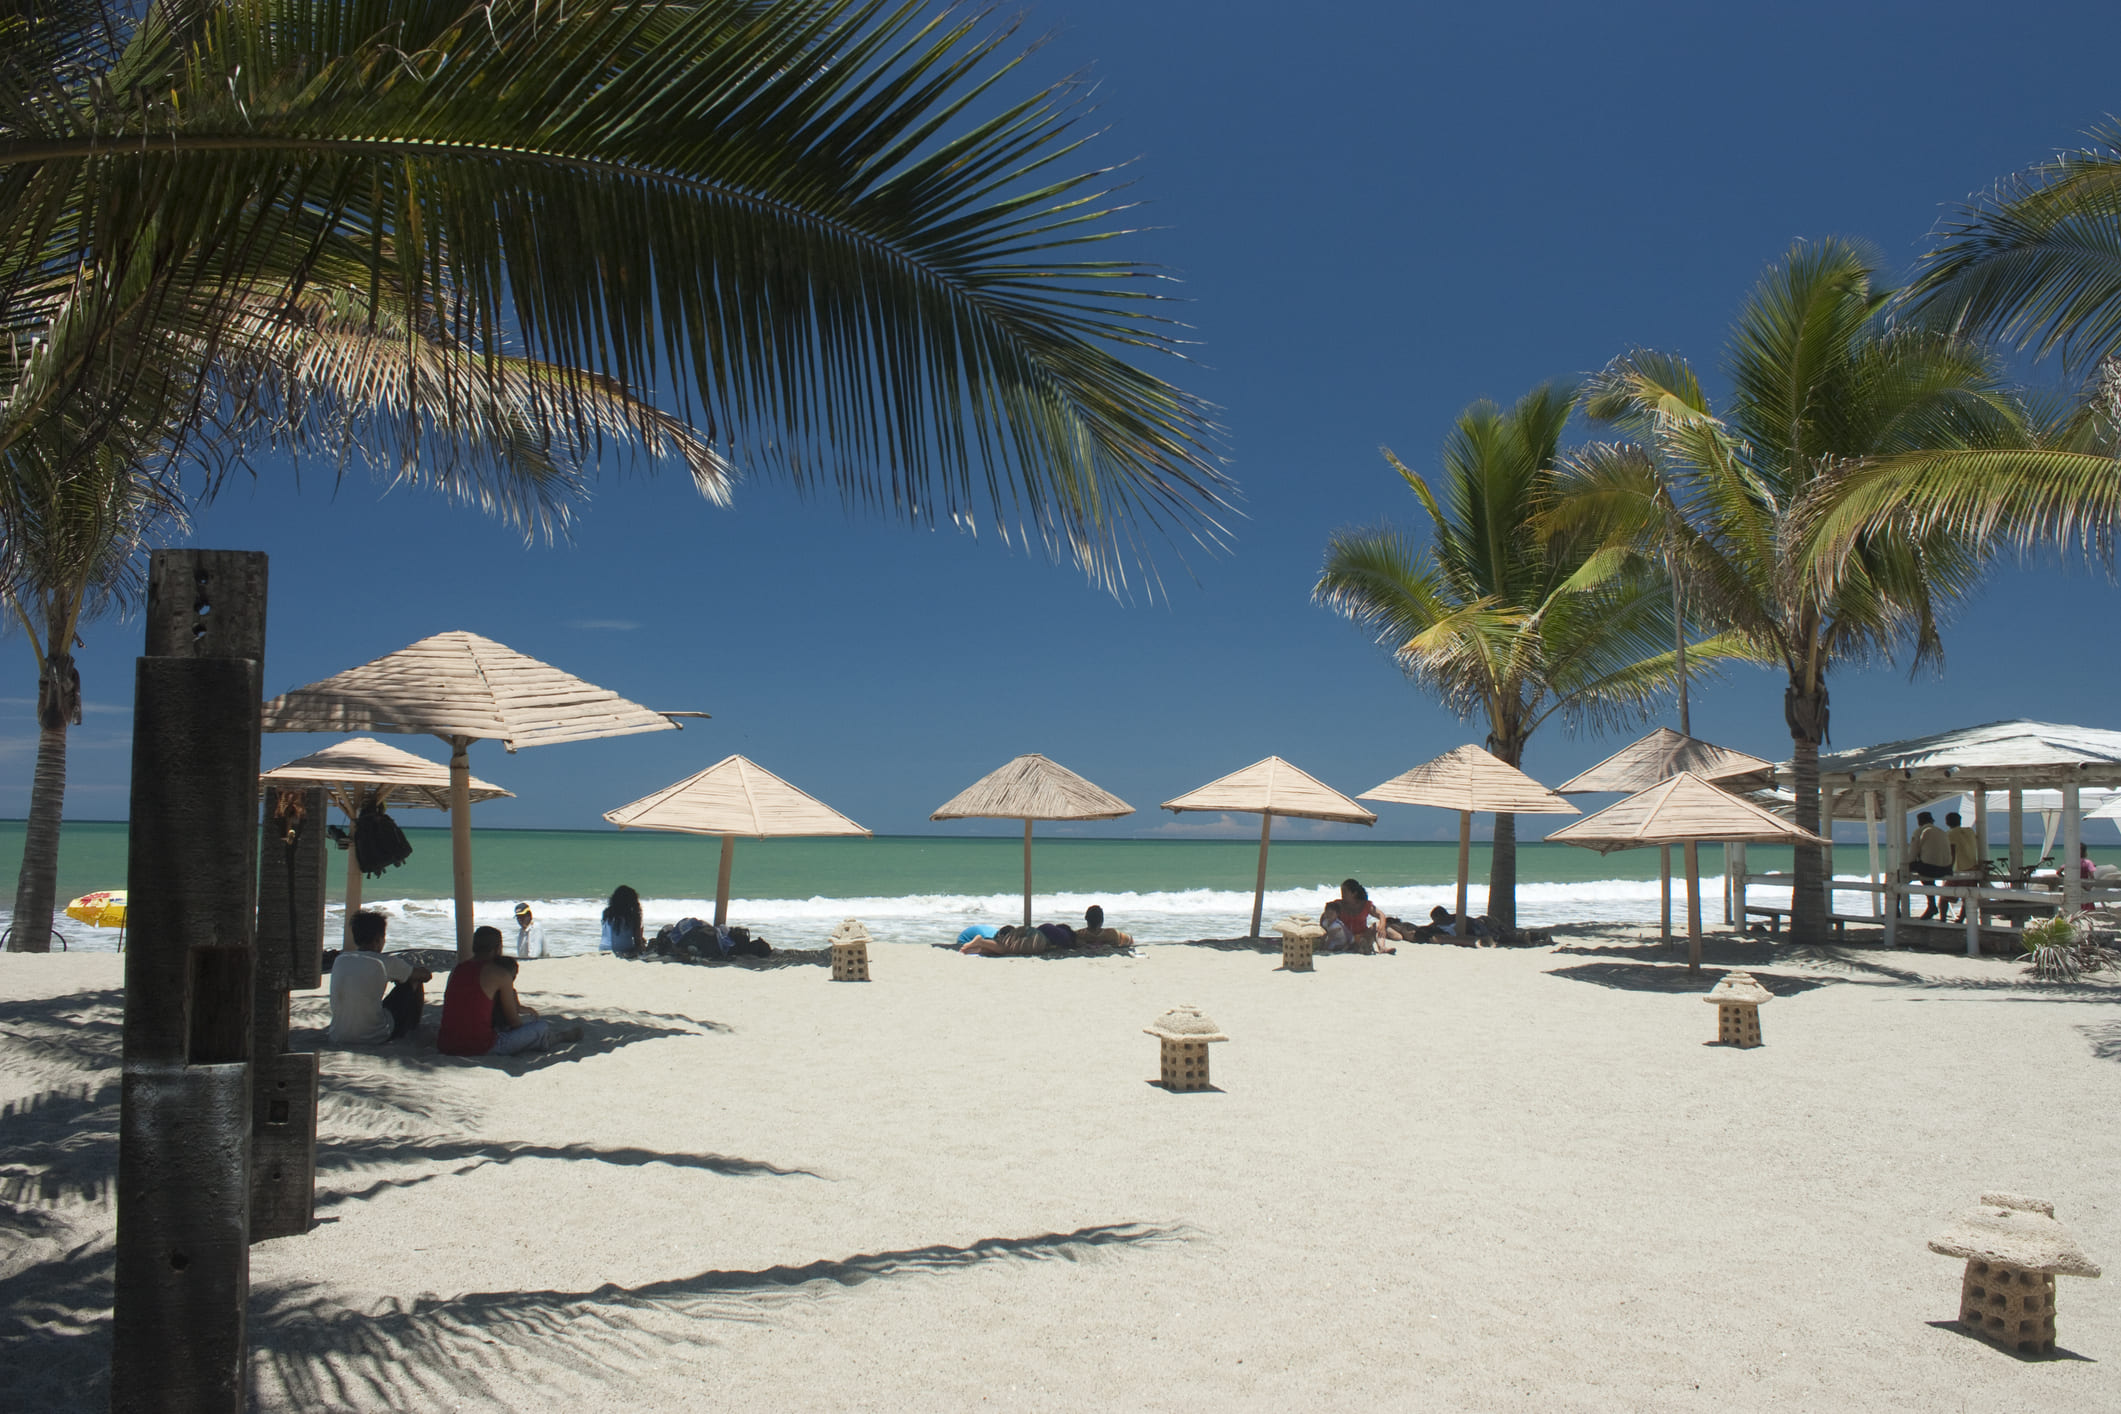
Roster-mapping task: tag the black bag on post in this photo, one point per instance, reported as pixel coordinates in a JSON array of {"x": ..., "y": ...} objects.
[{"x": 378, "y": 843}]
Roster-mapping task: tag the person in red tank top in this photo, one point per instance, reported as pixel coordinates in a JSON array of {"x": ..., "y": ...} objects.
[{"x": 480, "y": 1013}]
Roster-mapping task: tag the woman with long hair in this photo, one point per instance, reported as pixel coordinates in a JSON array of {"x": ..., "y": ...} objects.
[{"x": 622, "y": 923}]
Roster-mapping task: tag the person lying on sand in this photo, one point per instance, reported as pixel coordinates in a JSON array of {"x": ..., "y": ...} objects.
[
  {"x": 481, "y": 1014},
  {"x": 1015, "y": 940}
]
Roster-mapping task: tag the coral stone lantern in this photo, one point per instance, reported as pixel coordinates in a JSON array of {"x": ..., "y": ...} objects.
[
  {"x": 850, "y": 951},
  {"x": 1185, "y": 1034},
  {"x": 2014, "y": 1250},
  {"x": 1738, "y": 997},
  {"x": 1299, "y": 939}
]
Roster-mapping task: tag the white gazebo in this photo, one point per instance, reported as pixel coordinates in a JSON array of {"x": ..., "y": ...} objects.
[{"x": 2008, "y": 758}]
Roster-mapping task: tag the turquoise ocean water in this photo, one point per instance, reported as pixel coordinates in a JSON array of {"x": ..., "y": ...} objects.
[{"x": 927, "y": 888}]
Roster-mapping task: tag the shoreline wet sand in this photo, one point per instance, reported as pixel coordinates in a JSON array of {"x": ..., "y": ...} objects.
[{"x": 1475, "y": 1179}]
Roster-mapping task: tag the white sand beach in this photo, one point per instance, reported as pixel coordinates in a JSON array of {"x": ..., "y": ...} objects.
[{"x": 1450, "y": 1179}]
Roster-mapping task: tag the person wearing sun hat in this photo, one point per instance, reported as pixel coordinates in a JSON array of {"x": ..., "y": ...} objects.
[{"x": 530, "y": 934}]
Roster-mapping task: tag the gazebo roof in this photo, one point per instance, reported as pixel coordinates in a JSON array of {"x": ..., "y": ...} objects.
[
  {"x": 734, "y": 796},
  {"x": 1467, "y": 778},
  {"x": 1032, "y": 787},
  {"x": 1273, "y": 787},
  {"x": 1995, "y": 754},
  {"x": 1674, "y": 811},
  {"x": 401, "y": 777},
  {"x": 1665, "y": 753},
  {"x": 459, "y": 684}
]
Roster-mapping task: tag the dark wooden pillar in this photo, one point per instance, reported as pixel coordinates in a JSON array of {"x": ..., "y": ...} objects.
[
  {"x": 283, "y": 1084},
  {"x": 183, "y": 1243}
]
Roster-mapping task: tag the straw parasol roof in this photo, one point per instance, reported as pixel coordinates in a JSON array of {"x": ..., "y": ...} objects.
[
  {"x": 1032, "y": 787},
  {"x": 1273, "y": 787},
  {"x": 1683, "y": 808},
  {"x": 458, "y": 684},
  {"x": 463, "y": 688},
  {"x": 1663, "y": 754},
  {"x": 363, "y": 763},
  {"x": 1468, "y": 778},
  {"x": 1269, "y": 788},
  {"x": 734, "y": 796}
]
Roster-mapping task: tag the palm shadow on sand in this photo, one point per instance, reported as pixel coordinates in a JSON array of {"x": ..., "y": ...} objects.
[{"x": 480, "y": 1349}]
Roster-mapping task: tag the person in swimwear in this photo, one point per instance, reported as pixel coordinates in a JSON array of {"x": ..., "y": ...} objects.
[{"x": 1094, "y": 933}]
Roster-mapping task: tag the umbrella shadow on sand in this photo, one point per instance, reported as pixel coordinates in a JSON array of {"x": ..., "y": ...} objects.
[
  {"x": 777, "y": 959},
  {"x": 1675, "y": 978},
  {"x": 604, "y": 1030}
]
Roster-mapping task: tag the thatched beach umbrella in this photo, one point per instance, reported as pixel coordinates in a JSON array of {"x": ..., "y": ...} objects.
[
  {"x": 1659, "y": 756},
  {"x": 1467, "y": 779},
  {"x": 1682, "y": 810},
  {"x": 734, "y": 798},
  {"x": 362, "y": 771},
  {"x": 464, "y": 688},
  {"x": 1028, "y": 788},
  {"x": 1269, "y": 788}
]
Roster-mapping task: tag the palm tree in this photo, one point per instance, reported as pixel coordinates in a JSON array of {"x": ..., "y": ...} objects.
[
  {"x": 812, "y": 227},
  {"x": 1825, "y": 391},
  {"x": 1496, "y": 616},
  {"x": 86, "y": 488},
  {"x": 2035, "y": 265},
  {"x": 2036, "y": 262}
]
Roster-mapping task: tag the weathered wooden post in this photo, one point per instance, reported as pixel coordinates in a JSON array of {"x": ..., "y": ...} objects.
[
  {"x": 183, "y": 1260},
  {"x": 283, "y": 1084}
]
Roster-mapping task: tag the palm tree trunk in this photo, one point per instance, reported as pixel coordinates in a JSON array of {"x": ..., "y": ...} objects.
[
  {"x": 1807, "y": 712},
  {"x": 36, "y": 888},
  {"x": 1502, "y": 875}
]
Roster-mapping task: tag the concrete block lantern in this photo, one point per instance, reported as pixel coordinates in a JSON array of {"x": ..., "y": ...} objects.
[
  {"x": 1738, "y": 997},
  {"x": 2014, "y": 1250},
  {"x": 1185, "y": 1034},
  {"x": 1299, "y": 939},
  {"x": 850, "y": 951}
]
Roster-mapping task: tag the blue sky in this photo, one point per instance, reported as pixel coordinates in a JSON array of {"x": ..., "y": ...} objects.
[{"x": 1381, "y": 212}]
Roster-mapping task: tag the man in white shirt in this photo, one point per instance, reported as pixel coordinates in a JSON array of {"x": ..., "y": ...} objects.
[
  {"x": 374, "y": 998},
  {"x": 530, "y": 934}
]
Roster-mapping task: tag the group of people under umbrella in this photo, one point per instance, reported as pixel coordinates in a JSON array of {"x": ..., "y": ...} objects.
[{"x": 465, "y": 688}]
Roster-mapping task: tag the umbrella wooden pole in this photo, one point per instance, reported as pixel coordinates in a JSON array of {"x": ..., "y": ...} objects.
[
  {"x": 1027, "y": 875},
  {"x": 1693, "y": 906},
  {"x": 1259, "y": 887},
  {"x": 721, "y": 882},
  {"x": 1664, "y": 877},
  {"x": 460, "y": 837},
  {"x": 1465, "y": 867},
  {"x": 353, "y": 892}
]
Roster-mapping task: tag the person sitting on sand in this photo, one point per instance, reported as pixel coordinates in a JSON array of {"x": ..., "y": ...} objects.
[
  {"x": 1367, "y": 926},
  {"x": 1336, "y": 938},
  {"x": 481, "y": 1014},
  {"x": 1094, "y": 933},
  {"x": 623, "y": 935},
  {"x": 366, "y": 1010}
]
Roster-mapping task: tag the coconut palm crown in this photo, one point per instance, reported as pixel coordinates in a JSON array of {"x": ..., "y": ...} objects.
[
  {"x": 1824, "y": 390},
  {"x": 817, "y": 229},
  {"x": 1498, "y": 618}
]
